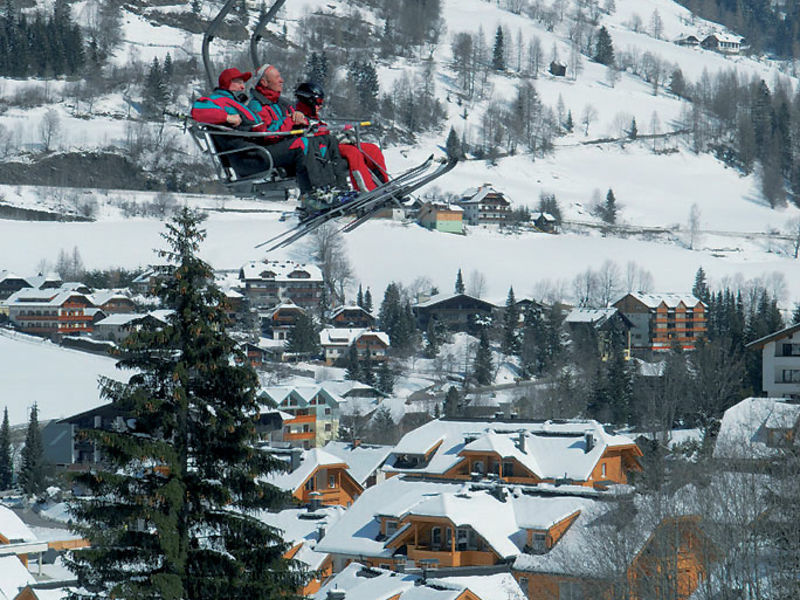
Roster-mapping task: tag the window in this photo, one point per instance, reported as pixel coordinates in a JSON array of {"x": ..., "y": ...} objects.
[
  {"x": 462, "y": 538},
  {"x": 448, "y": 537},
  {"x": 391, "y": 527},
  {"x": 508, "y": 469},
  {"x": 791, "y": 349},
  {"x": 436, "y": 538},
  {"x": 331, "y": 481},
  {"x": 477, "y": 467},
  {"x": 539, "y": 542},
  {"x": 310, "y": 485},
  {"x": 790, "y": 376},
  {"x": 603, "y": 470},
  {"x": 523, "y": 583},
  {"x": 570, "y": 590},
  {"x": 327, "y": 411},
  {"x": 327, "y": 426}
]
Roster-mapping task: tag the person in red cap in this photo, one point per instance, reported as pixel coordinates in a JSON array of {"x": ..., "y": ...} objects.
[{"x": 226, "y": 105}]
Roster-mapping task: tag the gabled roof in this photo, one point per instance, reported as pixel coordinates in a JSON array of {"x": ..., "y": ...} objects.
[
  {"x": 100, "y": 297},
  {"x": 279, "y": 270},
  {"x": 13, "y": 528},
  {"x": 13, "y": 577},
  {"x": 362, "y": 460},
  {"x": 743, "y": 431},
  {"x": 300, "y": 526},
  {"x": 303, "y": 395},
  {"x": 441, "y": 298},
  {"x": 670, "y": 299},
  {"x": 120, "y": 319},
  {"x": 773, "y": 337},
  {"x": 310, "y": 461},
  {"x": 596, "y": 317},
  {"x": 550, "y": 449},
  {"x": 345, "y": 336},
  {"x": 352, "y": 307}
]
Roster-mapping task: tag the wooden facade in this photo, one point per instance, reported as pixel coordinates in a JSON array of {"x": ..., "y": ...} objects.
[
  {"x": 333, "y": 483},
  {"x": 658, "y": 326}
]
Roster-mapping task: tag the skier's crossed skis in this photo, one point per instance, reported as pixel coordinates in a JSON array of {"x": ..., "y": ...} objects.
[{"x": 366, "y": 204}]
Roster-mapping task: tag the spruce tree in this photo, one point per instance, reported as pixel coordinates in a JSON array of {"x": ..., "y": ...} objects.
[
  {"x": 172, "y": 514},
  {"x": 796, "y": 314},
  {"x": 360, "y": 297},
  {"x": 303, "y": 338},
  {"x": 367, "y": 372},
  {"x": 32, "y": 471},
  {"x": 700, "y": 288},
  {"x": 453, "y": 144},
  {"x": 451, "y": 403},
  {"x": 459, "y": 287},
  {"x": 353, "y": 368},
  {"x": 511, "y": 343},
  {"x": 483, "y": 368},
  {"x": 604, "y": 49},
  {"x": 385, "y": 378},
  {"x": 633, "y": 132},
  {"x": 383, "y": 426},
  {"x": 6, "y": 464},
  {"x": 367, "y": 301},
  {"x": 499, "y": 51},
  {"x": 609, "y": 209},
  {"x": 570, "y": 124}
]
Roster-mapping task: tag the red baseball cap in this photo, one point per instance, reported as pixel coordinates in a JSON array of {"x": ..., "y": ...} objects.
[{"x": 229, "y": 75}]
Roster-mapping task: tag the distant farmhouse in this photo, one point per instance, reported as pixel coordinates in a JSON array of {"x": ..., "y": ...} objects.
[{"x": 725, "y": 43}]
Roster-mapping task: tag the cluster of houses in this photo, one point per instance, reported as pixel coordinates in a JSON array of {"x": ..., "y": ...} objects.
[
  {"x": 725, "y": 43},
  {"x": 462, "y": 508},
  {"x": 476, "y": 207}
]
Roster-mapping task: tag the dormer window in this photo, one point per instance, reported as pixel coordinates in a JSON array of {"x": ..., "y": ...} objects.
[
  {"x": 538, "y": 542},
  {"x": 391, "y": 527}
]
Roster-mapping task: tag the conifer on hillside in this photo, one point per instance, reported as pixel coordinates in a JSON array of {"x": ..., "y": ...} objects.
[
  {"x": 172, "y": 513},
  {"x": 32, "y": 471},
  {"x": 6, "y": 464}
]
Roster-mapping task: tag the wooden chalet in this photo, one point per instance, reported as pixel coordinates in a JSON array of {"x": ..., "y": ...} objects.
[
  {"x": 278, "y": 322},
  {"x": 52, "y": 312},
  {"x": 723, "y": 42},
  {"x": 484, "y": 206},
  {"x": 113, "y": 301},
  {"x": 576, "y": 452},
  {"x": 661, "y": 321},
  {"x": 352, "y": 317},
  {"x": 600, "y": 326},
  {"x": 546, "y": 222},
  {"x": 336, "y": 342},
  {"x": 269, "y": 283},
  {"x": 439, "y": 216},
  {"x": 11, "y": 283},
  {"x": 458, "y": 312},
  {"x": 321, "y": 476}
]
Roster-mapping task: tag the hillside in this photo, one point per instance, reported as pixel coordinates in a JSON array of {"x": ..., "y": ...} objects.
[{"x": 656, "y": 181}]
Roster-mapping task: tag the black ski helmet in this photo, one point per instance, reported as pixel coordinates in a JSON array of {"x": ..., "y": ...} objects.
[{"x": 310, "y": 93}]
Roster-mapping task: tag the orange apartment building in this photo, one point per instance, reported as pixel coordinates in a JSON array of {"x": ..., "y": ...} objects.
[
  {"x": 51, "y": 312},
  {"x": 661, "y": 321},
  {"x": 315, "y": 415}
]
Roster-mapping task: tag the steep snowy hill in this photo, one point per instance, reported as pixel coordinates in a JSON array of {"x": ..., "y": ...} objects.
[{"x": 654, "y": 189}]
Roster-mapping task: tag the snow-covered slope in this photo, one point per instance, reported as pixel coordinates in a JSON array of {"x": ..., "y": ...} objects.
[{"x": 653, "y": 190}]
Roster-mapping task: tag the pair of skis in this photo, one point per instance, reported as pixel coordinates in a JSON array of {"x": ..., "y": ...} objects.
[{"x": 365, "y": 205}]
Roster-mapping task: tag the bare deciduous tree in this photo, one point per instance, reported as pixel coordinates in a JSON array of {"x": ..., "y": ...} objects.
[
  {"x": 588, "y": 117},
  {"x": 329, "y": 252},
  {"x": 694, "y": 226},
  {"x": 49, "y": 128},
  {"x": 477, "y": 284}
]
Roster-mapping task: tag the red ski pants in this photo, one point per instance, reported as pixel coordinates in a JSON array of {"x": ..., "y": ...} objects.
[{"x": 367, "y": 165}]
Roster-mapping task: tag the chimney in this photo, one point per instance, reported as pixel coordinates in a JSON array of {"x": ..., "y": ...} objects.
[
  {"x": 356, "y": 443},
  {"x": 521, "y": 441},
  {"x": 315, "y": 501},
  {"x": 335, "y": 594},
  {"x": 588, "y": 438},
  {"x": 320, "y": 531},
  {"x": 295, "y": 455}
]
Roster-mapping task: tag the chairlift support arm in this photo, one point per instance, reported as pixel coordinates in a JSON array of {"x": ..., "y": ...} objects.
[
  {"x": 259, "y": 31},
  {"x": 209, "y": 36}
]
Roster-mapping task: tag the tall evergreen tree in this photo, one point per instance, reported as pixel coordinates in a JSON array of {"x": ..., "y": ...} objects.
[
  {"x": 511, "y": 342},
  {"x": 367, "y": 372},
  {"x": 633, "y": 131},
  {"x": 360, "y": 297},
  {"x": 6, "y": 464},
  {"x": 303, "y": 338},
  {"x": 459, "y": 287},
  {"x": 609, "y": 209},
  {"x": 499, "y": 51},
  {"x": 172, "y": 513},
  {"x": 482, "y": 371},
  {"x": 383, "y": 426},
  {"x": 386, "y": 378},
  {"x": 700, "y": 289},
  {"x": 796, "y": 314},
  {"x": 32, "y": 471},
  {"x": 453, "y": 144},
  {"x": 452, "y": 403},
  {"x": 367, "y": 301},
  {"x": 353, "y": 367},
  {"x": 604, "y": 49}
]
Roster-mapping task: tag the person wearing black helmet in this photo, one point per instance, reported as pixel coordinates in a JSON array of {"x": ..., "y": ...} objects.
[{"x": 365, "y": 162}]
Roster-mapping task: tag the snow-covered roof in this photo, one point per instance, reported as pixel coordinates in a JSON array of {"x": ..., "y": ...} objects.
[
  {"x": 302, "y": 395},
  {"x": 100, "y": 297},
  {"x": 362, "y": 460},
  {"x": 300, "y": 526},
  {"x": 358, "y": 582},
  {"x": 50, "y": 297},
  {"x": 551, "y": 450},
  {"x": 280, "y": 270},
  {"x": 500, "y": 586},
  {"x": 13, "y": 528},
  {"x": 590, "y": 315},
  {"x": 13, "y": 577},
  {"x": 310, "y": 461},
  {"x": 433, "y": 300},
  {"x": 648, "y": 369},
  {"x": 727, "y": 38},
  {"x": 344, "y": 336},
  {"x": 120, "y": 319},
  {"x": 772, "y": 337},
  {"x": 743, "y": 432},
  {"x": 671, "y": 300},
  {"x": 351, "y": 307},
  {"x": 501, "y": 523},
  {"x": 547, "y": 216}
]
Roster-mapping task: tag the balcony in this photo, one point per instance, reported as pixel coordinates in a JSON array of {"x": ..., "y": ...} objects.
[
  {"x": 299, "y": 419},
  {"x": 447, "y": 558},
  {"x": 300, "y": 435}
]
